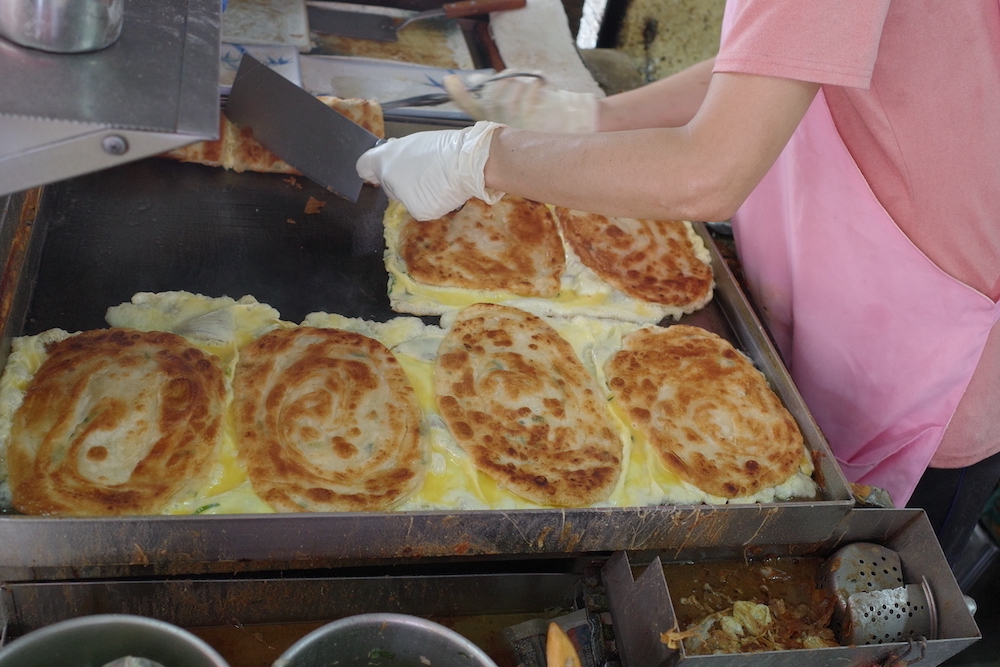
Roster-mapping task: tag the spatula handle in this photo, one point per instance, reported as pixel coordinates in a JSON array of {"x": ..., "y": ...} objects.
[{"x": 454, "y": 10}]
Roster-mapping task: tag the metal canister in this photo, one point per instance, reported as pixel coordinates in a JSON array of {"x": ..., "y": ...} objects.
[
  {"x": 384, "y": 639},
  {"x": 110, "y": 639},
  {"x": 62, "y": 26}
]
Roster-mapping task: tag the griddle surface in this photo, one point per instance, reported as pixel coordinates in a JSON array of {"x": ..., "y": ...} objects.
[{"x": 157, "y": 225}]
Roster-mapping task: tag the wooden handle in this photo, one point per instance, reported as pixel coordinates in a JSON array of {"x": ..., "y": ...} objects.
[{"x": 454, "y": 10}]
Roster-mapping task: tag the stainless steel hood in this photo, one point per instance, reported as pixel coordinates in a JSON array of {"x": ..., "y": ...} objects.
[{"x": 154, "y": 89}]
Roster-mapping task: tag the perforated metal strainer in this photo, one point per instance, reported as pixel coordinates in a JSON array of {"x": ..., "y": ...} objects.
[{"x": 874, "y": 605}]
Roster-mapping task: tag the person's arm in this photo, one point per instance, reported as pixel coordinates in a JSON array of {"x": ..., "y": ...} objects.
[
  {"x": 700, "y": 171},
  {"x": 669, "y": 102},
  {"x": 529, "y": 103}
]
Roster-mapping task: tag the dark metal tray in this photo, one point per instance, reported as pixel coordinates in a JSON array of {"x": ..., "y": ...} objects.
[
  {"x": 158, "y": 225},
  {"x": 642, "y": 609}
]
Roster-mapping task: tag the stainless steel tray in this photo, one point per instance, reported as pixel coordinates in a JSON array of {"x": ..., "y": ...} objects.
[
  {"x": 641, "y": 607},
  {"x": 158, "y": 225}
]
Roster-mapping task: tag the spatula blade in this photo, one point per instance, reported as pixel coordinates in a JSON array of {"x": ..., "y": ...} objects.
[
  {"x": 361, "y": 25},
  {"x": 298, "y": 128}
]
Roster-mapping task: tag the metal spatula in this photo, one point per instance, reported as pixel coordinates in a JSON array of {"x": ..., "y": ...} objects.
[
  {"x": 381, "y": 28},
  {"x": 874, "y": 606},
  {"x": 298, "y": 128}
]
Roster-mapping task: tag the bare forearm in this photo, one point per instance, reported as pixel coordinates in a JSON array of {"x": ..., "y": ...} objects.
[
  {"x": 702, "y": 171},
  {"x": 615, "y": 173},
  {"x": 669, "y": 102}
]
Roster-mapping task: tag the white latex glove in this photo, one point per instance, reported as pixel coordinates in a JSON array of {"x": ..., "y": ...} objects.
[
  {"x": 526, "y": 102},
  {"x": 433, "y": 173}
]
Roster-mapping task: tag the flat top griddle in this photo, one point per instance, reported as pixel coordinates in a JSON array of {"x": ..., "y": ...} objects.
[{"x": 158, "y": 225}]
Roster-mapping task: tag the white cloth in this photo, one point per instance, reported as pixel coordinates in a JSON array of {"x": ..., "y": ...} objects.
[
  {"x": 537, "y": 38},
  {"x": 433, "y": 173},
  {"x": 526, "y": 102}
]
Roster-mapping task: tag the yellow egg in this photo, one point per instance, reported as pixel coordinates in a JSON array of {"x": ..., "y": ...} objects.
[{"x": 221, "y": 326}]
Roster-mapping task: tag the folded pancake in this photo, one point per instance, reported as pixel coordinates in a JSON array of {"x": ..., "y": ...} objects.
[
  {"x": 115, "y": 421},
  {"x": 327, "y": 421},
  {"x": 518, "y": 400},
  {"x": 652, "y": 260},
  {"x": 705, "y": 410},
  {"x": 513, "y": 246},
  {"x": 236, "y": 148}
]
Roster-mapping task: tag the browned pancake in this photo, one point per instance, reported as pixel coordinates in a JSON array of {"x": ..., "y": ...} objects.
[
  {"x": 236, "y": 148},
  {"x": 115, "y": 421},
  {"x": 517, "y": 399},
  {"x": 421, "y": 43},
  {"x": 327, "y": 421},
  {"x": 706, "y": 412},
  {"x": 512, "y": 246},
  {"x": 652, "y": 260}
]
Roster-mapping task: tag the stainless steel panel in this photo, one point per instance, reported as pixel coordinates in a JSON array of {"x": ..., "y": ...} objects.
[
  {"x": 219, "y": 601},
  {"x": 155, "y": 88},
  {"x": 136, "y": 83}
]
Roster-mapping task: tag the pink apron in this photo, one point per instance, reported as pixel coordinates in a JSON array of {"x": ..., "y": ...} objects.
[{"x": 880, "y": 341}]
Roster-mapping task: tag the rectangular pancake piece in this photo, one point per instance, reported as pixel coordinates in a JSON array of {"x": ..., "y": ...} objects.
[
  {"x": 236, "y": 149},
  {"x": 581, "y": 290}
]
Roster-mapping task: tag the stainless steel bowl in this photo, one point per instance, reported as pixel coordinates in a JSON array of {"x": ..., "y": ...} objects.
[
  {"x": 62, "y": 26},
  {"x": 91, "y": 641},
  {"x": 374, "y": 640}
]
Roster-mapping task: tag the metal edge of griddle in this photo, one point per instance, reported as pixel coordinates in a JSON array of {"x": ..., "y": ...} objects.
[
  {"x": 21, "y": 237},
  {"x": 757, "y": 344},
  {"x": 313, "y": 597}
]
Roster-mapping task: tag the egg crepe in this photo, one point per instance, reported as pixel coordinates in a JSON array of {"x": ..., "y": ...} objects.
[
  {"x": 705, "y": 410},
  {"x": 652, "y": 260},
  {"x": 223, "y": 326},
  {"x": 520, "y": 402},
  {"x": 220, "y": 326},
  {"x": 511, "y": 246},
  {"x": 115, "y": 421},
  {"x": 327, "y": 421},
  {"x": 236, "y": 148},
  {"x": 581, "y": 291}
]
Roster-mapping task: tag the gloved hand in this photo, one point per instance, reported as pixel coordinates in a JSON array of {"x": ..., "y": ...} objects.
[
  {"x": 433, "y": 173},
  {"x": 526, "y": 102}
]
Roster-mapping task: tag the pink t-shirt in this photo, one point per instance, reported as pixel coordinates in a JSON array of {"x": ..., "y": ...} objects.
[{"x": 914, "y": 90}]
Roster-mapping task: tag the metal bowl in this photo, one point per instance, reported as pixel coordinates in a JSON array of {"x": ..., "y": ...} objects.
[
  {"x": 62, "y": 26},
  {"x": 92, "y": 641},
  {"x": 374, "y": 640}
]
